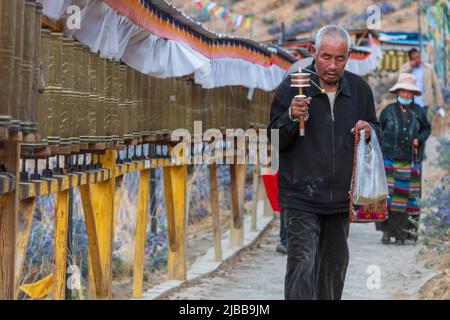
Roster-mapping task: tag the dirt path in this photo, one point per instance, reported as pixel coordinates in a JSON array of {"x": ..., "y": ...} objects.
[{"x": 258, "y": 271}]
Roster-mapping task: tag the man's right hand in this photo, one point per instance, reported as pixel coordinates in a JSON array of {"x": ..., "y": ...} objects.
[{"x": 299, "y": 107}]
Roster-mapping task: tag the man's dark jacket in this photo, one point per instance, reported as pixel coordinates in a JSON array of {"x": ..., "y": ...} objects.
[{"x": 315, "y": 170}]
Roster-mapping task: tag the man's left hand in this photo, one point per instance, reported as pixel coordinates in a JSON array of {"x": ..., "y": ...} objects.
[{"x": 362, "y": 125}]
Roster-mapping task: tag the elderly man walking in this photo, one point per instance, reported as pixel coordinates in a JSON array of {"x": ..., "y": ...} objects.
[{"x": 315, "y": 170}]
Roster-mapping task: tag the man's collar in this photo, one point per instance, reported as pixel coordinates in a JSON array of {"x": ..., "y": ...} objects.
[{"x": 343, "y": 85}]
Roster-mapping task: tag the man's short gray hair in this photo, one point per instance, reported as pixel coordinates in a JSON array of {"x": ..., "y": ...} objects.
[{"x": 333, "y": 31}]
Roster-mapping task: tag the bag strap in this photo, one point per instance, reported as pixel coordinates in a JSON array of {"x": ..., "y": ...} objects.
[{"x": 352, "y": 188}]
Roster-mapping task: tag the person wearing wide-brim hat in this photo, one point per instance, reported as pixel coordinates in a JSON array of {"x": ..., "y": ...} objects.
[{"x": 405, "y": 129}]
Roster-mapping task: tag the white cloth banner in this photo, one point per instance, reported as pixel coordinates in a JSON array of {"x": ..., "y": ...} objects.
[{"x": 114, "y": 36}]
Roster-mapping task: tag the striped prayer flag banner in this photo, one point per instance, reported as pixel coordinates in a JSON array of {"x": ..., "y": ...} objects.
[{"x": 247, "y": 22}]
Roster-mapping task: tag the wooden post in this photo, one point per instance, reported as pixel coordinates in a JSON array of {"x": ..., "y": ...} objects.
[
  {"x": 60, "y": 244},
  {"x": 141, "y": 228},
  {"x": 102, "y": 196},
  {"x": 95, "y": 264},
  {"x": 9, "y": 206},
  {"x": 237, "y": 173},
  {"x": 175, "y": 191},
  {"x": 26, "y": 209},
  {"x": 217, "y": 234},
  {"x": 255, "y": 197},
  {"x": 170, "y": 215}
]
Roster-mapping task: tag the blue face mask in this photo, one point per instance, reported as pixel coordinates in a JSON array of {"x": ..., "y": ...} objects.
[{"x": 403, "y": 101}]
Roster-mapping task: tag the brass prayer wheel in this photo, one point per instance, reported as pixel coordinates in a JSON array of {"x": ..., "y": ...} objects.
[
  {"x": 108, "y": 103},
  {"x": 122, "y": 107},
  {"x": 67, "y": 95},
  {"x": 37, "y": 68},
  {"x": 7, "y": 50},
  {"x": 27, "y": 65},
  {"x": 54, "y": 87},
  {"x": 93, "y": 97},
  {"x": 43, "y": 74},
  {"x": 83, "y": 121},
  {"x": 127, "y": 104},
  {"x": 76, "y": 113},
  {"x": 146, "y": 97},
  {"x": 115, "y": 102},
  {"x": 138, "y": 104},
  {"x": 16, "y": 102},
  {"x": 101, "y": 74},
  {"x": 155, "y": 104}
]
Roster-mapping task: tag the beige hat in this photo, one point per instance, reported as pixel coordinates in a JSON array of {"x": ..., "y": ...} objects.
[{"x": 406, "y": 81}]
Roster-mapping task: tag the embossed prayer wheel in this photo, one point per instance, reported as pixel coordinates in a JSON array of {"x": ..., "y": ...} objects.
[
  {"x": 109, "y": 101},
  {"x": 54, "y": 87},
  {"x": 128, "y": 105},
  {"x": 16, "y": 102},
  {"x": 187, "y": 105},
  {"x": 146, "y": 96},
  {"x": 93, "y": 97},
  {"x": 43, "y": 79},
  {"x": 85, "y": 86},
  {"x": 38, "y": 85},
  {"x": 138, "y": 105},
  {"x": 76, "y": 113},
  {"x": 101, "y": 74},
  {"x": 67, "y": 95},
  {"x": 7, "y": 50},
  {"x": 115, "y": 103},
  {"x": 156, "y": 104},
  {"x": 122, "y": 94},
  {"x": 28, "y": 57}
]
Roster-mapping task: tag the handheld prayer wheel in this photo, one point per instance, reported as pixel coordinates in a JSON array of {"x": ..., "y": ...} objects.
[
  {"x": 54, "y": 87},
  {"x": 67, "y": 95},
  {"x": 7, "y": 50},
  {"x": 43, "y": 79},
  {"x": 300, "y": 80},
  {"x": 28, "y": 57}
]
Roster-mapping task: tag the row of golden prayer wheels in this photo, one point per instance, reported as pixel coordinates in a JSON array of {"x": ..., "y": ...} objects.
[
  {"x": 393, "y": 60},
  {"x": 64, "y": 98}
]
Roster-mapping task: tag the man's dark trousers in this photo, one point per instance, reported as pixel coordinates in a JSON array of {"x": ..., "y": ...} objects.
[{"x": 317, "y": 253}]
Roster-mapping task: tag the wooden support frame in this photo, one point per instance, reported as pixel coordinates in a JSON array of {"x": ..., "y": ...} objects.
[
  {"x": 9, "y": 206},
  {"x": 25, "y": 219},
  {"x": 94, "y": 252},
  {"x": 217, "y": 233},
  {"x": 175, "y": 193},
  {"x": 237, "y": 177},
  {"x": 255, "y": 199},
  {"x": 102, "y": 197},
  {"x": 141, "y": 228},
  {"x": 60, "y": 244}
]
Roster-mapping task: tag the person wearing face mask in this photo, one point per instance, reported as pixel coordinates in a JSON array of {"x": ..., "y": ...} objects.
[{"x": 405, "y": 129}]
